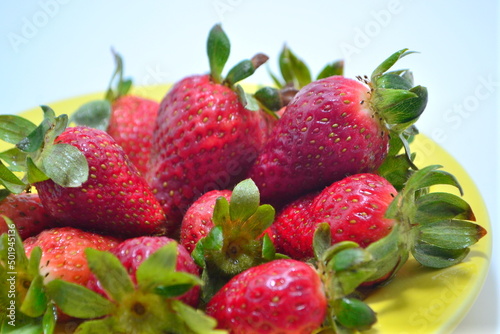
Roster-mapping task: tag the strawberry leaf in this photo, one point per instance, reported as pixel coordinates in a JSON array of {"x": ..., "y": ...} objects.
[
  {"x": 65, "y": 165},
  {"x": 94, "y": 114},
  {"x": 14, "y": 128},
  {"x": 451, "y": 234},
  {"x": 122, "y": 85},
  {"x": 436, "y": 257},
  {"x": 35, "y": 139},
  {"x": 199, "y": 323},
  {"x": 106, "y": 325},
  {"x": 78, "y": 301},
  {"x": 35, "y": 302},
  {"x": 293, "y": 69},
  {"x": 15, "y": 158},
  {"x": 354, "y": 314},
  {"x": 218, "y": 48},
  {"x": 244, "y": 202},
  {"x": 335, "y": 68},
  {"x": 439, "y": 205},
  {"x": 322, "y": 240},
  {"x": 49, "y": 319},
  {"x": 10, "y": 181},
  {"x": 34, "y": 174},
  {"x": 110, "y": 273}
]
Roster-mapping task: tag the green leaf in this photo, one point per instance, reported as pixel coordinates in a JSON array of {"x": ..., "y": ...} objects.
[
  {"x": 94, "y": 114},
  {"x": 10, "y": 181},
  {"x": 177, "y": 284},
  {"x": 15, "y": 158},
  {"x": 14, "y": 128},
  {"x": 322, "y": 240},
  {"x": 270, "y": 98},
  {"x": 66, "y": 165},
  {"x": 268, "y": 249},
  {"x": 221, "y": 215},
  {"x": 214, "y": 239},
  {"x": 293, "y": 69},
  {"x": 218, "y": 48},
  {"x": 436, "y": 257},
  {"x": 197, "y": 321},
  {"x": 162, "y": 261},
  {"x": 352, "y": 267},
  {"x": 335, "y": 68},
  {"x": 239, "y": 72},
  {"x": 245, "y": 200},
  {"x": 110, "y": 272},
  {"x": 122, "y": 85},
  {"x": 49, "y": 319},
  {"x": 35, "y": 302},
  {"x": 257, "y": 223},
  {"x": 389, "y": 62},
  {"x": 106, "y": 325},
  {"x": 440, "y": 205},
  {"x": 34, "y": 174},
  {"x": 35, "y": 139},
  {"x": 34, "y": 261},
  {"x": 78, "y": 301},
  {"x": 451, "y": 234},
  {"x": 354, "y": 314}
]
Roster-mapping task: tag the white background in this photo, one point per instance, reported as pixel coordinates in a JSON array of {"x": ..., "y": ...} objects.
[{"x": 57, "y": 49}]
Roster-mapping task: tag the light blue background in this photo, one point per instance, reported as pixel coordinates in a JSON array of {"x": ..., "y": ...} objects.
[{"x": 56, "y": 49}]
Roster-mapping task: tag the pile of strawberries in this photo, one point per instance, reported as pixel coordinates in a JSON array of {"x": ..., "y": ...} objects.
[{"x": 222, "y": 211}]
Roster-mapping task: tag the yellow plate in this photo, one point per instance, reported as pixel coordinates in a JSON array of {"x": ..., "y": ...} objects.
[{"x": 418, "y": 300}]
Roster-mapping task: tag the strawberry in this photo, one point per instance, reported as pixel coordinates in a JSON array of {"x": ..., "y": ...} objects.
[
  {"x": 63, "y": 252},
  {"x": 205, "y": 137},
  {"x": 27, "y": 213},
  {"x": 354, "y": 207},
  {"x": 281, "y": 296},
  {"x": 128, "y": 118},
  {"x": 131, "y": 125},
  {"x": 115, "y": 198},
  {"x": 133, "y": 252},
  {"x": 335, "y": 127},
  {"x": 197, "y": 221}
]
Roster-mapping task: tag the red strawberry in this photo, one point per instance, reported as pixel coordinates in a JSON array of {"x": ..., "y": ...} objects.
[
  {"x": 354, "y": 207},
  {"x": 115, "y": 199},
  {"x": 281, "y": 296},
  {"x": 63, "y": 252},
  {"x": 27, "y": 213},
  {"x": 205, "y": 137},
  {"x": 197, "y": 221},
  {"x": 133, "y": 252},
  {"x": 334, "y": 127},
  {"x": 128, "y": 118},
  {"x": 131, "y": 125}
]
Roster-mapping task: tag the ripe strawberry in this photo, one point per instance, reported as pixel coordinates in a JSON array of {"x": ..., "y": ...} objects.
[
  {"x": 27, "y": 213},
  {"x": 128, "y": 118},
  {"x": 205, "y": 137},
  {"x": 354, "y": 207},
  {"x": 63, "y": 252},
  {"x": 133, "y": 252},
  {"x": 115, "y": 199},
  {"x": 281, "y": 296},
  {"x": 131, "y": 125},
  {"x": 197, "y": 221},
  {"x": 334, "y": 127}
]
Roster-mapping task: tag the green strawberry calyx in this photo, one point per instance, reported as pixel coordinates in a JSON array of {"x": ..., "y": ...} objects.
[
  {"x": 238, "y": 240},
  {"x": 22, "y": 289},
  {"x": 218, "y": 50},
  {"x": 146, "y": 307},
  {"x": 295, "y": 75},
  {"x": 97, "y": 113},
  {"x": 35, "y": 154}
]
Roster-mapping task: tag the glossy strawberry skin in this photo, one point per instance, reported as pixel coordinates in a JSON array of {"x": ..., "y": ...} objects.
[
  {"x": 281, "y": 296},
  {"x": 63, "y": 252},
  {"x": 132, "y": 252},
  {"x": 204, "y": 139},
  {"x": 131, "y": 125},
  {"x": 354, "y": 207},
  {"x": 115, "y": 199},
  {"x": 328, "y": 131},
  {"x": 26, "y": 212},
  {"x": 197, "y": 221}
]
